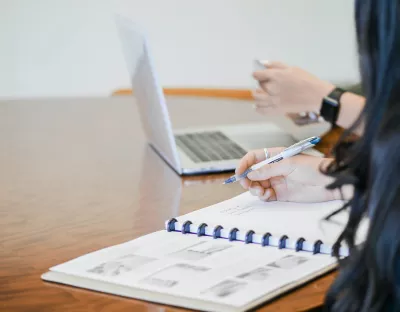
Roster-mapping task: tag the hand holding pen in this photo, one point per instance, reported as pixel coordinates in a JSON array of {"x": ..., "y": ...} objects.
[
  {"x": 292, "y": 150},
  {"x": 295, "y": 178}
]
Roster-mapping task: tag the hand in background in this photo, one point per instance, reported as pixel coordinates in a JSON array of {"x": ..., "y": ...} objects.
[
  {"x": 296, "y": 179},
  {"x": 290, "y": 89}
]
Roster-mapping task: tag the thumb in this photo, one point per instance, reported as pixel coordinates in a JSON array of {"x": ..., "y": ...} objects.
[
  {"x": 269, "y": 171},
  {"x": 275, "y": 65}
]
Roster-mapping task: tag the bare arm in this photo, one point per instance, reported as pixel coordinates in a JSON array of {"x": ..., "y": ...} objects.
[
  {"x": 292, "y": 89},
  {"x": 351, "y": 106}
]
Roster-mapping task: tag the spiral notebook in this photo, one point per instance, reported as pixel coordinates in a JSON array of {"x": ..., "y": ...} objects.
[{"x": 232, "y": 256}]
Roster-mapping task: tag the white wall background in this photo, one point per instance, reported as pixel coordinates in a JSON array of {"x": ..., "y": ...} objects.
[{"x": 71, "y": 47}]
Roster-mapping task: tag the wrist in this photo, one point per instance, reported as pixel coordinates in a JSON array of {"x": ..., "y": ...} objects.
[
  {"x": 350, "y": 108},
  {"x": 325, "y": 89}
]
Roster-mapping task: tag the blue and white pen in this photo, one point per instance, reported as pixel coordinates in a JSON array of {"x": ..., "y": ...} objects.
[{"x": 292, "y": 150}]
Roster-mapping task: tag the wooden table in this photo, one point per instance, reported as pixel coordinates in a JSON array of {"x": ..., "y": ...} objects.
[{"x": 76, "y": 175}]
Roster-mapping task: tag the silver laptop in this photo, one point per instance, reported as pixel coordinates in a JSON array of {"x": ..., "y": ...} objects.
[{"x": 188, "y": 151}]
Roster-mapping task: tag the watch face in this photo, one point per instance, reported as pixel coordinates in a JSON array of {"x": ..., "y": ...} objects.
[
  {"x": 331, "y": 105},
  {"x": 329, "y": 109}
]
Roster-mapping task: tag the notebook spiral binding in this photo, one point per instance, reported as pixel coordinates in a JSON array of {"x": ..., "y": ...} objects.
[{"x": 248, "y": 237}]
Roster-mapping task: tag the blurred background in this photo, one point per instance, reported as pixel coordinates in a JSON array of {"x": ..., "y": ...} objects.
[{"x": 71, "y": 47}]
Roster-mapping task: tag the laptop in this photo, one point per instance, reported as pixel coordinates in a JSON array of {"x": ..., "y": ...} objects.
[{"x": 188, "y": 151}]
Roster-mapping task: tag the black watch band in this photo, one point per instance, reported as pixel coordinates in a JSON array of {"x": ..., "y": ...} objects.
[{"x": 331, "y": 106}]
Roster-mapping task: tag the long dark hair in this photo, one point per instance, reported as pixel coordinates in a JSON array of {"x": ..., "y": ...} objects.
[{"x": 369, "y": 279}]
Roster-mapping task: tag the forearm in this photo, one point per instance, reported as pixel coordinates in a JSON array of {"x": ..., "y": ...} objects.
[{"x": 351, "y": 106}]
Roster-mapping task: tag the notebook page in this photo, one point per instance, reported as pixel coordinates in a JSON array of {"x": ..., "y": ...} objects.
[
  {"x": 198, "y": 267},
  {"x": 246, "y": 212}
]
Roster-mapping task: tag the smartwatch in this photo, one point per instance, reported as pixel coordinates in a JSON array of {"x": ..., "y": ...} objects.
[{"x": 330, "y": 106}]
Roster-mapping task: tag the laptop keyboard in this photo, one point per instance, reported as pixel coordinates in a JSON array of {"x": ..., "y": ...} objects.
[{"x": 209, "y": 146}]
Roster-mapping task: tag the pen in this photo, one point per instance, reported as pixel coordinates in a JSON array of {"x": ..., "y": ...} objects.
[{"x": 292, "y": 150}]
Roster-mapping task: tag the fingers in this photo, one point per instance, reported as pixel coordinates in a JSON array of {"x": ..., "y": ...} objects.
[
  {"x": 262, "y": 110},
  {"x": 273, "y": 151},
  {"x": 266, "y": 103},
  {"x": 269, "y": 195},
  {"x": 256, "y": 189},
  {"x": 276, "y": 65},
  {"x": 269, "y": 171},
  {"x": 251, "y": 158},
  {"x": 258, "y": 93},
  {"x": 254, "y": 157},
  {"x": 264, "y": 194},
  {"x": 245, "y": 183},
  {"x": 264, "y": 75},
  {"x": 260, "y": 96},
  {"x": 271, "y": 69},
  {"x": 261, "y": 100}
]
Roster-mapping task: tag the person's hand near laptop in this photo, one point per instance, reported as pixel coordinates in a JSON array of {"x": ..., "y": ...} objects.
[
  {"x": 292, "y": 89},
  {"x": 283, "y": 85},
  {"x": 298, "y": 178}
]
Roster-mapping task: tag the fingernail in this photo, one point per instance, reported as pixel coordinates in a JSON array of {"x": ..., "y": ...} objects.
[
  {"x": 265, "y": 63},
  {"x": 267, "y": 194}
]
